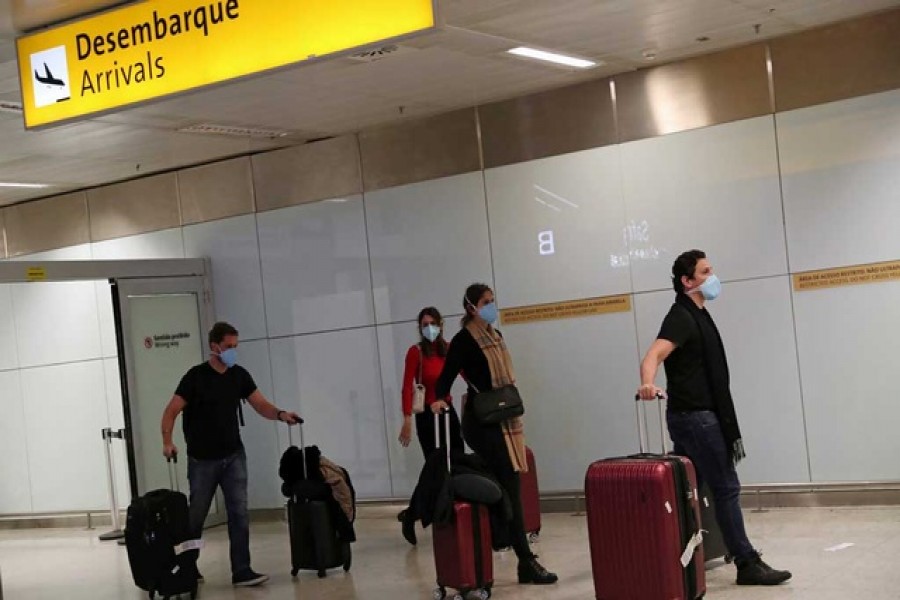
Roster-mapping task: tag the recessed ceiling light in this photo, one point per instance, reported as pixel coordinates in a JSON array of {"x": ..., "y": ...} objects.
[
  {"x": 560, "y": 59},
  {"x": 34, "y": 186},
  {"x": 231, "y": 130},
  {"x": 649, "y": 54}
]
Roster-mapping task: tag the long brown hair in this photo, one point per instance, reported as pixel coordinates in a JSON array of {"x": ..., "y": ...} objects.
[{"x": 440, "y": 344}]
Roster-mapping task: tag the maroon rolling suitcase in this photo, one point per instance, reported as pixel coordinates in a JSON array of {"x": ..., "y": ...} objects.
[
  {"x": 644, "y": 526},
  {"x": 531, "y": 499},
  {"x": 463, "y": 556}
]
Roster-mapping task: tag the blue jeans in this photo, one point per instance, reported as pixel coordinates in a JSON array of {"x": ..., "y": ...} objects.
[
  {"x": 230, "y": 473},
  {"x": 698, "y": 436}
]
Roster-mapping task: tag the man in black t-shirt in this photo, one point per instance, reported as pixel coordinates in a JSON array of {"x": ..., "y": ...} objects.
[
  {"x": 210, "y": 395},
  {"x": 701, "y": 416}
]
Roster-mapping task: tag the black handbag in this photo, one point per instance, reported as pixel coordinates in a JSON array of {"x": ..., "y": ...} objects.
[{"x": 496, "y": 406}]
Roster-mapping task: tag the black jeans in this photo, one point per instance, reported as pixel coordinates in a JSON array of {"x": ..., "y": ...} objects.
[
  {"x": 698, "y": 436},
  {"x": 488, "y": 443},
  {"x": 425, "y": 432}
]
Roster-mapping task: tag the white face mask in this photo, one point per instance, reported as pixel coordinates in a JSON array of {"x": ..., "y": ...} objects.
[{"x": 431, "y": 332}]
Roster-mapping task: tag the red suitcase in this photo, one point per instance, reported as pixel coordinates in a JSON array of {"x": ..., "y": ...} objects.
[
  {"x": 463, "y": 556},
  {"x": 531, "y": 499},
  {"x": 644, "y": 526}
]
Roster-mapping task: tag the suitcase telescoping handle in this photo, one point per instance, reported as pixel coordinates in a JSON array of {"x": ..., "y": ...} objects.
[
  {"x": 172, "y": 462},
  {"x": 302, "y": 444},
  {"x": 641, "y": 411},
  {"x": 437, "y": 432}
]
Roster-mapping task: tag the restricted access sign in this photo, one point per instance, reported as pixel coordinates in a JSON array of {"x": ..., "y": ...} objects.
[{"x": 156, "y": 48}]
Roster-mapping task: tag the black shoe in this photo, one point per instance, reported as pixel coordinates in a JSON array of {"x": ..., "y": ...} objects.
[
  {"x": 200, "y": 578},
  {"x": 531, "y": 571},
  {"x": 249, "y": 579},
  {"x": 754, "y": 571},
  {"x": 409, "y": 528},
  {"x": 401, "y": 516}
]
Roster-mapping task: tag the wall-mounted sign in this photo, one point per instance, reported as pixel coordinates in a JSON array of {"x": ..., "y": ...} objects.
[
  {"x": 155, "y": 48},
  {"x": 566, "y": 310},
  {"x": 857, "y": 275},
  {"x": 36, "y": 274}
]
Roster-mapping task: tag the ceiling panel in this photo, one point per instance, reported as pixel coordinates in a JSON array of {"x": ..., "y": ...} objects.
[{"x": 460, "y": 65}]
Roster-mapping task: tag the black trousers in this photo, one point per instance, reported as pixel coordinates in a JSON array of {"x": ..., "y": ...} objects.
[
  {"x": 488, "y": 443},
  {"x": 425, "y": 431}
]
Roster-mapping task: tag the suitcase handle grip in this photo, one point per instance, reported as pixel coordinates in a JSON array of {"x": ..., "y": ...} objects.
[
  {"x": 641, "y": 411},
  {"x": 302, "y": 445},
  {"x": 437, "y": 432},
  {"x": 171, "y": 463}
]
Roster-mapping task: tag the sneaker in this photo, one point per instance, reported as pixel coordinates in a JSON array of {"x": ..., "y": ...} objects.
[
  {"x": 754, "y": 571},
  {"x": 249, "y": 579}
]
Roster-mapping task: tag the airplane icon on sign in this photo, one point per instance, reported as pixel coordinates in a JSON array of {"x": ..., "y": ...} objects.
[{"x": 48, "y": 77}]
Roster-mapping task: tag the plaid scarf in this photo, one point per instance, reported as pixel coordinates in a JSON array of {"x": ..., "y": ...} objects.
[{"x": 502, "y": 374}]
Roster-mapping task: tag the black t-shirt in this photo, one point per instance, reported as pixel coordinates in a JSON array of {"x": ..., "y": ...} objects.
[
  {"x": 687, "y": 382},
  {"x": 211, "y": 416}
]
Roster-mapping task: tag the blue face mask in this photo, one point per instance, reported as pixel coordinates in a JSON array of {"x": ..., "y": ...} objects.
[
  {"x": 489, "y": 313},
  {"x": 228, "y": 357},
  {"x": 431, "y": 332},
  {"x": 711, "y": 288}
]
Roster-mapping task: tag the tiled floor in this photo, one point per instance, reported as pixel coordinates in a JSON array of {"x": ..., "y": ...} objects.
[{"x": 72, "y": 564}]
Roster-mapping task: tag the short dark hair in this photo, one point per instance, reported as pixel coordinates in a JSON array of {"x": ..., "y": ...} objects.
[
  {"x": 685, "y": 266},
  {"x": 220, "y": 331},
  {"x": 474, "y": 294}
]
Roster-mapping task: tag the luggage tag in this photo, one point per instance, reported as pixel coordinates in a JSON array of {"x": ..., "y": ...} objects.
[
  {"x": 188, "y": 545},
  {"x": 692, "y": 545}
]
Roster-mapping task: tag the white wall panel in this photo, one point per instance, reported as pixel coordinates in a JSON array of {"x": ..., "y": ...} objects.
[
  {"x": 9, "y": 353},
  {"x": 428, "y": 241},
  {"x": 333, "y": 381},
  {"x": 56, "y": 322},
  {"x": 715, "y": 189},
  {"x": 847, "y": 362},
  {"x": 233, "y": 247},
  {"x": 316, "y": 267},
  {"x": 577, "y": 377},
  {"x": 15, "y": 493},
  {"x": 840, "y": 165},
  {"x": 576, "y": 199},
  {"x": 65, "y": 409}
]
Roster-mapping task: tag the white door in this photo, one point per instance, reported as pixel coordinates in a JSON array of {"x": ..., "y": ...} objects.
[{"x": 162, "y": 325}]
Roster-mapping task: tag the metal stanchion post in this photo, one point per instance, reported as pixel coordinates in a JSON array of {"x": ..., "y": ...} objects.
[{"x": 108, "y": 436}]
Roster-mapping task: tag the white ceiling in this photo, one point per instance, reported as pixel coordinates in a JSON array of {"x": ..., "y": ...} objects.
[{"x": 460, "y": 65}]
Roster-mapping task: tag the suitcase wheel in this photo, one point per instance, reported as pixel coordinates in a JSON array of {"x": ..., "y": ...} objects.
[
  {"x": 322, "y": 573},
  {"x": 439, "y": 593},
  {"x": 534, "y": 537},
  {"x": 293, "y": 572}
]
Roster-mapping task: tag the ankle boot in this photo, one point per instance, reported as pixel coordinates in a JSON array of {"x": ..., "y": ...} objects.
[
  {"x": 409, "y": 528},
  {"x": 531, "y": 571},
  {"x": 754, "y": 571}
]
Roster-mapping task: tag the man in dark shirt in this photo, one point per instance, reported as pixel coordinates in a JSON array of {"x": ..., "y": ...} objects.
[
  {"x": 210, "y": 395},
  {"x": 701, "y": 417}
]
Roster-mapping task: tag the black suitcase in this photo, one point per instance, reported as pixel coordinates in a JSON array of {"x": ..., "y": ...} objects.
[
  {"x": 713, "y": 542},
  {"x": 157, "y": 528},
  {"x": 315, "y": 544}
]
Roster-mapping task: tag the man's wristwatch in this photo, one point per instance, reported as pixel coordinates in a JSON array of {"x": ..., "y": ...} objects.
[{"x": 278, "y": 415}]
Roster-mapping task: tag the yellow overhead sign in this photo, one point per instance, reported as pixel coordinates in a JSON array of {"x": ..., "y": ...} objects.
[{"x": 156, "y": 48}]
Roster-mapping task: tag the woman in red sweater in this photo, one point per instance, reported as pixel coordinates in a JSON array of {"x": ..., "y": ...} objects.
[{"x": 424, "y": 363}]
